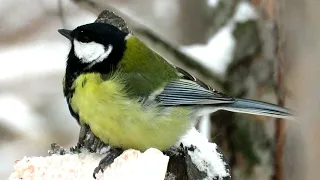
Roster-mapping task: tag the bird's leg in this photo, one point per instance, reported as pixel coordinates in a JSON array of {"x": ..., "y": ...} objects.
[
  {"x": 88, "y": 140},
  {"x": 82, "y": 135},
  {"x": 112, "y": 154},
  {"x": 101, "y": 145},
  {"x": 84, "y": 129},
  {"x": 94, "y": 145}
]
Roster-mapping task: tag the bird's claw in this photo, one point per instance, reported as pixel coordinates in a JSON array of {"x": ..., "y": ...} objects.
[
  {"x": 97, "y": 170},
  {"x": 107, "y": 161}
]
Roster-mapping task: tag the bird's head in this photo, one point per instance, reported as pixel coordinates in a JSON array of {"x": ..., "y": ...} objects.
[{"x": 94, "y": 46}]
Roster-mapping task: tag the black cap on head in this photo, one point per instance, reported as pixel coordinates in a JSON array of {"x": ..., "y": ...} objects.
[
  {"x": 98, "y": 32},
  {"x": 93, "y": 36}
]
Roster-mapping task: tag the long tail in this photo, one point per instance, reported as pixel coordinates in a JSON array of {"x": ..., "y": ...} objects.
[{"x": 257, "y": 108}]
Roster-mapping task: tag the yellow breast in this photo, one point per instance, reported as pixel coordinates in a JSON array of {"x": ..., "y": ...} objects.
[{"x": 122, "y": 121}]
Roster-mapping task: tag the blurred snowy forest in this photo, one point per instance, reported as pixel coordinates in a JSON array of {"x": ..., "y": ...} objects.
[{"x": 259, "y": 49}]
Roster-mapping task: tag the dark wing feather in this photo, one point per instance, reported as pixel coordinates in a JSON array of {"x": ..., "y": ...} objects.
[{"x": 185, "y": 75}]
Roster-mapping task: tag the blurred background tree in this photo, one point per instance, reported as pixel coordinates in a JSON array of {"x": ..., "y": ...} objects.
[{"x": 237, "y": 46}]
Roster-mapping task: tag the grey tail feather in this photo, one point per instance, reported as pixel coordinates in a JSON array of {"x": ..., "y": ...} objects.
[{"x": 257, "y": 108}]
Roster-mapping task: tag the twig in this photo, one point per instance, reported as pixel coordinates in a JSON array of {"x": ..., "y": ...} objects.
[
  {"x": 280, "y": 123},
  {"x": 279, "y": 126}
]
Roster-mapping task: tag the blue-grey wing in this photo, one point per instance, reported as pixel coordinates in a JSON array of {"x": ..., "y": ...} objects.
[{"x": 188, "y": 92}]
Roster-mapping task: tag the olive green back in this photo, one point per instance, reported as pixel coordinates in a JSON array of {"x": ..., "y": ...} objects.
[{"x": 144, "y": 70}]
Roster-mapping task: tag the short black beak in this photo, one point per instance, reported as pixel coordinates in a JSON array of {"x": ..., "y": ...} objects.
[{"x": 66, "y": 33}]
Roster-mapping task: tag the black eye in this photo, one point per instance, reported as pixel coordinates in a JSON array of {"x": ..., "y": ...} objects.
[{"x": 84, "y": 37}]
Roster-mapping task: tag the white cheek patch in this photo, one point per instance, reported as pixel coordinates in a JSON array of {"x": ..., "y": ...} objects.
[{"x": 91, "y": 52}]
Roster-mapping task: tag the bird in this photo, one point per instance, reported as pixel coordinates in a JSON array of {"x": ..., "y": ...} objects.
[{"x": 133, "y": 98}]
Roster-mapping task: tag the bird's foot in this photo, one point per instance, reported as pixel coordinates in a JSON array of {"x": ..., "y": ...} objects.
[{"x": 107, "y": 160}]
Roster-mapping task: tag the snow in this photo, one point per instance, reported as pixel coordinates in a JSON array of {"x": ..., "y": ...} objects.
[
  {"x": 131, "y": 164},
  {"x": 217, "y": 54},
  {"x": 75, "y": 166},
  {"x": 213, "y": 3},
  {"x": 32, "y": 59},
  {"x": 204, "y": 126},
  {"x": 17, "y": 115},
  {"x": 205, "y": 155},
  {"x": 104, "y": 150},
  {"x": 245, "y": 11}
]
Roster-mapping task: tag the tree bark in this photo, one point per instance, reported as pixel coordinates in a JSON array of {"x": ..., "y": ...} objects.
[{"x": 301, "y": 27}]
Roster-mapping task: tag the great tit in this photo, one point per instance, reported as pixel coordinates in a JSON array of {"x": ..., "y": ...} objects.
[{"x": 131, "y": 97}]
